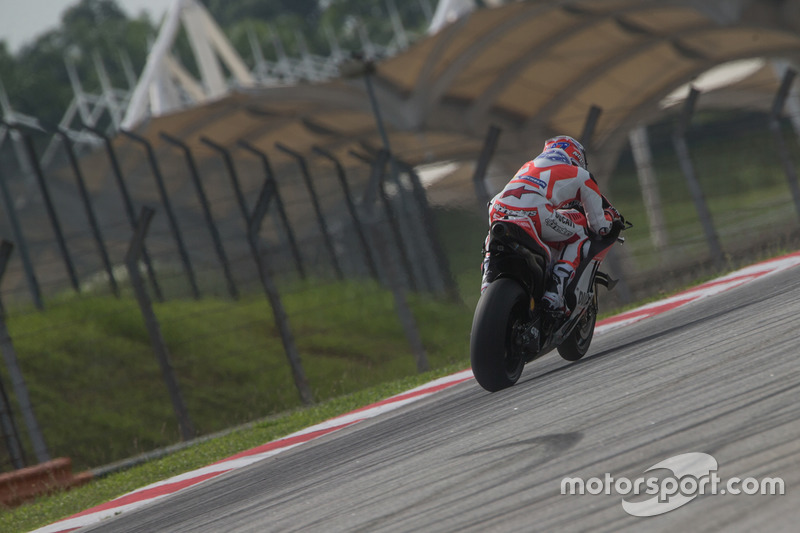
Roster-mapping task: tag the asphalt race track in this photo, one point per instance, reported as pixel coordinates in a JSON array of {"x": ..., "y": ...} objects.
[{"x": 719, "y": 376}]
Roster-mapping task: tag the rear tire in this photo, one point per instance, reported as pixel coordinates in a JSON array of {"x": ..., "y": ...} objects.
[
  {"x": 496, "y": 361},
  {"x": 577, "y": 344}
]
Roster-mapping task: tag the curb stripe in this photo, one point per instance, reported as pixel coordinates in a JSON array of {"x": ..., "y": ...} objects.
[
  {"x": 161, "y": 490},
  {"x": 283, "y": 443}
]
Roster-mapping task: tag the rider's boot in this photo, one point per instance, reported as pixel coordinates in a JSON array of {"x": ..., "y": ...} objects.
[{"x": 553, "y": 298}]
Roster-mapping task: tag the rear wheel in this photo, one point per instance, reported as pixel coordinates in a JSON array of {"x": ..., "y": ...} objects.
[
  {"x": 577, "y": 344},
  {"x": 496, "y": 353}
]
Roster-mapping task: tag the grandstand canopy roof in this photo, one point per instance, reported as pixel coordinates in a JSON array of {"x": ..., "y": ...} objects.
[{"x": 534, "y": 68}]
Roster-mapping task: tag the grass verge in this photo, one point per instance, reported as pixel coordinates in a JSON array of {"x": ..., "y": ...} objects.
[{"x": 98, "y": 391}]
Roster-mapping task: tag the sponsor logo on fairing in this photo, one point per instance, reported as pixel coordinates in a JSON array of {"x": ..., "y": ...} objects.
[
  {"x": 563, "y": 219},
  {"x": 557, "y": 227},
  {"x": 502, "y": 209},
  {"x": 561, "y": 224}
]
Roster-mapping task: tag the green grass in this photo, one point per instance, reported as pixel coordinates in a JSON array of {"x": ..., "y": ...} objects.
[{"x": 99, "y": 395}]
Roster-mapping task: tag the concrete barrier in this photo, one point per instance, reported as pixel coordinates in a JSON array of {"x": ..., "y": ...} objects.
[{"x": 28, "y": 483}]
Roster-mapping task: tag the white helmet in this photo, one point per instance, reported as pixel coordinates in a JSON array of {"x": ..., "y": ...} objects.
[{"x": 573, "y": 148}]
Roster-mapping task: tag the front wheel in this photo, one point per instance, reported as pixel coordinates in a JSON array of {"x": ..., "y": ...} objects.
[
  {"x": 495, "y": 353},
  {"x": 577, "y": 344}
]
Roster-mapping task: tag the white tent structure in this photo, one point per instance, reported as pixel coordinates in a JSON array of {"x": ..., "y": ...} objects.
[{"x": 165, "y": 85}]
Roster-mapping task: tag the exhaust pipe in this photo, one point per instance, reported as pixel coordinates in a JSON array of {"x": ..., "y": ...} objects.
[{"x": 499, "y": 230}]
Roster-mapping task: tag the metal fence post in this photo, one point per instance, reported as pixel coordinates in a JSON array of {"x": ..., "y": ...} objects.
[
  {"x": 271, "y": 290},
  {"x": 51, "y": 210},
  {"x": 780, "y": 143},
  {"x": 153, "y": 327},
  {"x": 378, "y": 177},
  {"x": 389, "y": 267},
  {"x": 323, "y": 225},
  {"x": 482, "y": 165},
  {"x": 589, "y": 127},
  {"x": 173, "y": 222},
  {"x": 406, "y": 317},
  {"x": 409, "y": 224},
  {"x": 404, "y": 314},
  {"x": 270, "y": 178},
  {"x": 231, "y": 168},
  {"x": 642, "y": 156},
  {"x": 379, "y": 169},
  {"x": 17, "y": 380},
  {"x": 5, "y": 253},
  {"x": 212, "y": 227},
  {"x": 7, "y": 424},
  {"x": 90, "y": 213},
  {"x": 10, "y": 431},
  {"x": 592, "y": 117},
  {"x": 682, "y": 150},
  {"x": 369, "y": 69},
  {"x": 432, "y": 233},
  {"x": 16, "y": 230},
  {"x": 351, "y": 208},
  {"x": 128, "y": 205}
]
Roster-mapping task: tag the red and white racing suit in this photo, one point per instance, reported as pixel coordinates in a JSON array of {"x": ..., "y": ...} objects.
[{"x": 543, "y": 189}]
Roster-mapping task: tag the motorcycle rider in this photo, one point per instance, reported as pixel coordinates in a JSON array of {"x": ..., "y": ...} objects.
[{"x": 544, "y": 190}]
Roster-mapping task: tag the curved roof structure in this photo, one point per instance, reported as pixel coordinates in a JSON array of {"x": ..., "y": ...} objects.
[{"x": 534, "y": 68}]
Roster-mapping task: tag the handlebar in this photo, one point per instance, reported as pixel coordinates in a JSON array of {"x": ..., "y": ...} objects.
[{"x": 617, "y": 226}]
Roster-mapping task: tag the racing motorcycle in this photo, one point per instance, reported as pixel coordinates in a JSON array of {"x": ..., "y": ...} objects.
[{"x": 510, "y": 328}]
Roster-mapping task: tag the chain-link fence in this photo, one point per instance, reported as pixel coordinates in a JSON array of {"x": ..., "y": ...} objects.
[{"x": 130, "y": 247}]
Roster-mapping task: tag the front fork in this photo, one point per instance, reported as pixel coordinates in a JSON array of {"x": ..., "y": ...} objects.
[{"x": 591, "y": 310}]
